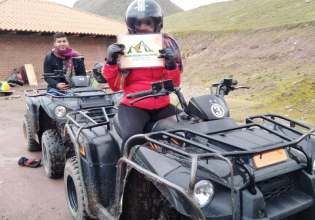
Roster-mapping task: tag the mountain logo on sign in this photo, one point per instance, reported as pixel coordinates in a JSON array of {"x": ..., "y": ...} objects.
[{"x": 139, "y": 48}]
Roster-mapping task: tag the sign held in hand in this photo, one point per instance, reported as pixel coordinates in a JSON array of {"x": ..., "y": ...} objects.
[{"x": 141, "y": 50}]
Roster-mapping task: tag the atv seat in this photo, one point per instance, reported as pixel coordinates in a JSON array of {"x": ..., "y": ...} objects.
[
  {"x": 117, "y": 125},
  {"x": 184, "y": 122},
  {"x": 160, "y": 125}
]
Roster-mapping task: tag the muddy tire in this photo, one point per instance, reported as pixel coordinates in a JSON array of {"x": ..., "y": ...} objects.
[
  {"x": 53, "y": 153},
  {"x": 31, "y": 144},
  {"x": 142, "y": 201},
  {"x": 74, "y": 190}
]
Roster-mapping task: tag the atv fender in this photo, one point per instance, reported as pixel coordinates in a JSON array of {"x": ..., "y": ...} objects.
[
  {"x": 32, "y": 107},
  {"x": 155, "y": 166},
  {"x": 48, "y": 106}
]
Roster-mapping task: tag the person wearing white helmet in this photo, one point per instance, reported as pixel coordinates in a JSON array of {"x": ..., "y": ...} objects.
[{"x": 143, "y": 17}]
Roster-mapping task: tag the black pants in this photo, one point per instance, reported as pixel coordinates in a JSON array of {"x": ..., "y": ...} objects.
[{"x": 132, "y": 120}]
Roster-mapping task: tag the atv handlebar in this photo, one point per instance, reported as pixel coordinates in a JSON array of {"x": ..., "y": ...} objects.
[
  {"x": 225, "y": 86},
  {"x": 49, "y": 75},
  {"x": 140, "y": 94}
]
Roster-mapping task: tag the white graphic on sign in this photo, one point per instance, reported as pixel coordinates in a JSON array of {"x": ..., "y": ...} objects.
[{"x": 217, "y": 110}]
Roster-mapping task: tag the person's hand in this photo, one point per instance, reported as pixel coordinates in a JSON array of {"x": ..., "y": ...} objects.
[
  {"x": 62, "y": 86},
  {"x": 169, "y": 56},
  {"x": 112, "y": 53}
]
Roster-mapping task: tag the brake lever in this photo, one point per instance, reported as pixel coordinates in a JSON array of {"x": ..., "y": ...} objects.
[
  {"x": 156, "y": 95},
  {"x": 144, "y": 97},
  {"x": 242, "y": 87}
]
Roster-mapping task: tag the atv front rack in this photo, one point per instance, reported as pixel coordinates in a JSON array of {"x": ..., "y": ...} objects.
[
  {"x": 194, "y": 158},
  {"x": 156, "y": 137}
]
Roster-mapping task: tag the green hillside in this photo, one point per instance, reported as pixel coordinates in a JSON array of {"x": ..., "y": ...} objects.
[
  {"x": 117, "y": 9},
  {"x": 267, "y": 45},
  {"x": 241, "y": 15}
]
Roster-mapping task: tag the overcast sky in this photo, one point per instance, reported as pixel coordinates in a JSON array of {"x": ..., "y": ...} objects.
[{"x": 184, "y": 4}]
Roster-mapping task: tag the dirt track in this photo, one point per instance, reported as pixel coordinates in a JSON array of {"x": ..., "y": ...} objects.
[{"x": 25, "y": 193}]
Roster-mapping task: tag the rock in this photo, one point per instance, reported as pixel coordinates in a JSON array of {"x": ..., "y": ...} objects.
[
  {"x": 293, "y": 83},
  {"x": 15, "y": 96}
]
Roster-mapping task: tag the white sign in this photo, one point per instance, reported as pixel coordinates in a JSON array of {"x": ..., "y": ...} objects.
[{"x": 141, "y": 50}]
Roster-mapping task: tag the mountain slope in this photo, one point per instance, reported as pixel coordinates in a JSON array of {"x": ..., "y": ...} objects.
[
  {"x": 265, "y": 44},
  {"x": 241, "y": 15},
  {"x": 116, "y": 9}
]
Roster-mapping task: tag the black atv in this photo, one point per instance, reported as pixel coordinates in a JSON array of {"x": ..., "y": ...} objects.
[
  {"x": 44, "y": 121},
  {"x": 197, "y": 164}
]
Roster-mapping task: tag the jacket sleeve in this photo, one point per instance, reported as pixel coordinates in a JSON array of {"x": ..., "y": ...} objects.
[
  {"x": 111, "y": 74},
  {"x": 174, "y": 75},
  {"x": 49, "y": 68},
  {"x": 80, "y": 71}
]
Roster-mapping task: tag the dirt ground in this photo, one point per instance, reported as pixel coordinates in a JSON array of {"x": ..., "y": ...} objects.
[{"x": 25, "y": 193}]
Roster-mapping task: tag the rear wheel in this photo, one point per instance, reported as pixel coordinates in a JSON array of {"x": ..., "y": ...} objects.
[
  {"x": 74, "y": 190},
  {"x": 30, "y": 143},
  {"x": 53, "y": 153}
]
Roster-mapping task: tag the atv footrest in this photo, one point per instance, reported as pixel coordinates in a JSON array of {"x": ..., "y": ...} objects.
[{"x": 287, "y": 204}]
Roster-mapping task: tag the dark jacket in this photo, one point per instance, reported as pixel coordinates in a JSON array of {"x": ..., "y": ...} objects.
[{"x": 52, "y": 63}]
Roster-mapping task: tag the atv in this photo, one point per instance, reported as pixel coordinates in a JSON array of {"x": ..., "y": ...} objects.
[
  {"x": 197, "y": 164},
  {"x": 45, "y": 118}
]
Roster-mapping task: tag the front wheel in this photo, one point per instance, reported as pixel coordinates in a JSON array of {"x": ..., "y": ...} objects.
[
  {"x": 74, "y": 190},
  {"x": 30, "y": 143},
  {"x": 53, "y": 153}
]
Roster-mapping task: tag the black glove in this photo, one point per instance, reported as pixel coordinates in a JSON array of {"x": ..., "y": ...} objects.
[
  {"x": 169, "y": 56},
  {"x": 112, "y": 53},
  {"x": 23, "y": 161}
]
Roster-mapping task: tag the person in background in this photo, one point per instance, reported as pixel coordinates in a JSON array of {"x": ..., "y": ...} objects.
[
  {"x": 62, "y": 57},
  {"x": 143, "y": 20}
]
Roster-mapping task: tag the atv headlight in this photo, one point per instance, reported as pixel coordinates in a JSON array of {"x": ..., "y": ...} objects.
[
  {"x": 203, "y": 192},
  {"x": 60, "y": 111}
]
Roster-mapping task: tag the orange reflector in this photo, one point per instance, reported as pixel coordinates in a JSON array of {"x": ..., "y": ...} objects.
[
  {"x": 82, "y": 151},
  {"x": 174, "y": 141},
  {"x": 271, "y": 157},
  {"x": 151, "y": 145}
]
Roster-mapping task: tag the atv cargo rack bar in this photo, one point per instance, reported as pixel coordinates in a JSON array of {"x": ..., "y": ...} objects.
[
  {"x": 86, "y": 119},
  {"x": 62, "y": 94}
]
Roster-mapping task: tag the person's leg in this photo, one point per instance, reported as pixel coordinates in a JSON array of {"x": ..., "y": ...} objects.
[
  {"x": 165, "y": 112},
  {"x": 132, "y": 121}
]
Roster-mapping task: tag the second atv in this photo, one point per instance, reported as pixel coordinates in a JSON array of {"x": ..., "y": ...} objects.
[{"x": 45, "y": 118}]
